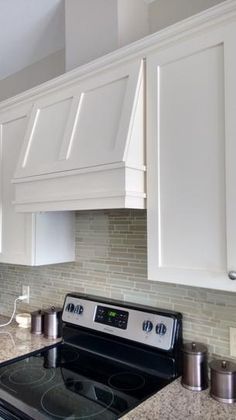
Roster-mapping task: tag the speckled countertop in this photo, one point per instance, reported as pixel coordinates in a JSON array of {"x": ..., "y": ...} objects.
[
  {"x": 174, "y": 402},
  {"x": 16, "y": 341}
]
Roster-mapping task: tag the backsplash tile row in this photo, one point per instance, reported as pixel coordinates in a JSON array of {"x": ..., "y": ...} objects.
[{"x": 111, "y": 260}]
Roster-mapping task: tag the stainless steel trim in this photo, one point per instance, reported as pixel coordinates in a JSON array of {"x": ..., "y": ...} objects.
[{"x": 134, "y": 329}]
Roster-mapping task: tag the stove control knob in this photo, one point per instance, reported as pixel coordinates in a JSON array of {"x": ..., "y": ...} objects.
[
  {"x": 70, "y": 307},
  {"x": 147, "y": 326},
  {"x": 79, "y": 309},
  {"x": 161, "y": 329}
]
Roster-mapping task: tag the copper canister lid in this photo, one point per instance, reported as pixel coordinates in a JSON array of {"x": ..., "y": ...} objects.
[
  {"x": 37, "y": 313},
  {"x": 194, "y": 348},
  {"x": 223, "y": 366},
  {"x": 52, "y": 311}
]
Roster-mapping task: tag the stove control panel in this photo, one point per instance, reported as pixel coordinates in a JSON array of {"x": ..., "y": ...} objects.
[
  {"x": 111, "y": 316},
  {"x": 153, "y": 329}
]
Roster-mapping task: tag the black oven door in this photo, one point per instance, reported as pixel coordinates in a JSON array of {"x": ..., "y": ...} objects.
[{"x": 10, "y": 413}]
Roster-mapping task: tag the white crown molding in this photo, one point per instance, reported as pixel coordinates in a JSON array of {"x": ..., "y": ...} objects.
[{"x": 214, "y": 16}]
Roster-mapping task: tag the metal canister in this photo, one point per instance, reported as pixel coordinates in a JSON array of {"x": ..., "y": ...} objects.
[
  {"x": 195, "y": 369},
  {"x": 37, "y": 322},
  {"x": 223, "y": 381},
  {"x": 53, "y": 322}
]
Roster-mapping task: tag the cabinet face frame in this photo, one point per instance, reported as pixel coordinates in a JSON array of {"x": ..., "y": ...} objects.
[
  {"x": 223, "y": 36},
  {"x": 27, "y": 254}
]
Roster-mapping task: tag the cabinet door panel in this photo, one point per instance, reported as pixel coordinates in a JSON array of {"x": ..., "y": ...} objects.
[
  {"x": 191, "y": 175},
  {"x": 192, "y": 162}
]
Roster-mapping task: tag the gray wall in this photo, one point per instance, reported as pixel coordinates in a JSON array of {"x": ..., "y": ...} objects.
[
  {"x": 96, "y": 27},
  {"x": 111, "y": 260},
  {"x": 33, "y": 75},
  {"x": 163, "y": 13},
  {"x": 90, "y": 30}
]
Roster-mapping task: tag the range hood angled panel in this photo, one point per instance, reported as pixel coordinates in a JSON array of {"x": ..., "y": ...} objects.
[
  {"x": 83, "y": 126},
  {"x": 84, "y": 145}
]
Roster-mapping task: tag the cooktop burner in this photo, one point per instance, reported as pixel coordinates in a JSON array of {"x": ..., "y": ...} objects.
[
  {"x": 24, "y": 375},
  {"x": 96, "y": 373},
  {"x": 126, "y": 381},
  {"x": 76, "y": 393}
]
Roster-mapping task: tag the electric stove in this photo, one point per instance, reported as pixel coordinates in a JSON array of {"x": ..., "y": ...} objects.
[{"x": 113, "y": 356}]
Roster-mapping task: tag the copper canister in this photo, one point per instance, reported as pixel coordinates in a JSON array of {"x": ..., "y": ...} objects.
[
  {"x": 195, "y": 369},
  {"x": 53, "y": 322},
  {"x": 223, "y": 381},
  {"x": 37, "y": 322}
]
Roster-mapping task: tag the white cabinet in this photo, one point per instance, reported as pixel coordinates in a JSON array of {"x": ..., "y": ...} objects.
[
  {"x": 29, "y": 239},
  {"x": 191, "y": 150}
]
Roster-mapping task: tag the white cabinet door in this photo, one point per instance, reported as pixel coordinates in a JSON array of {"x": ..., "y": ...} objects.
[
  {"x": 191, "y": 140},
  {"x": 28, "y": 239}
]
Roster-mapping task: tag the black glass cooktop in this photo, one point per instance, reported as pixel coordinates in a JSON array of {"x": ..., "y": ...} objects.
[{"x": 65, "y": 382}]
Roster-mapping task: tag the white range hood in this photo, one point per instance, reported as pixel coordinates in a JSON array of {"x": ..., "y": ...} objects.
[{"x": 84, "y": 142}]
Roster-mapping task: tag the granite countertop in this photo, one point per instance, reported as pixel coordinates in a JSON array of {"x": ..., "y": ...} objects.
[
  {"x": 174, "y": 402},
  {"x": 16, "y": 341}
]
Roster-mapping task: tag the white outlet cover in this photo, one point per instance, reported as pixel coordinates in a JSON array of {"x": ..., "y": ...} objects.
[{"x": 26, "y": 291}]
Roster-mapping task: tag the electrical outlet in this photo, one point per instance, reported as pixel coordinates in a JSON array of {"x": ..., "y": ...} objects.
[
  {"x": 232, "y": 341},
  {"x": 26, "y": 291}
]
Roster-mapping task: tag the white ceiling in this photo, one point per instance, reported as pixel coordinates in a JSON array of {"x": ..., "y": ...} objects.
[{"x": 29, "y": 31}]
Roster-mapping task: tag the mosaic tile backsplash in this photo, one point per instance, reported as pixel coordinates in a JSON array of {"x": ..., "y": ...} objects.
[{"x": 111, "y": 260}]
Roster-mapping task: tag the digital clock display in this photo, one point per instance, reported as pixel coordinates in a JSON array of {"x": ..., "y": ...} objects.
[{"x": 111, "y": 316}]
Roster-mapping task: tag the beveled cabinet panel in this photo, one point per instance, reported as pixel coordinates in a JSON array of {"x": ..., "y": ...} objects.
[{"x": 45, "y": 133}]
